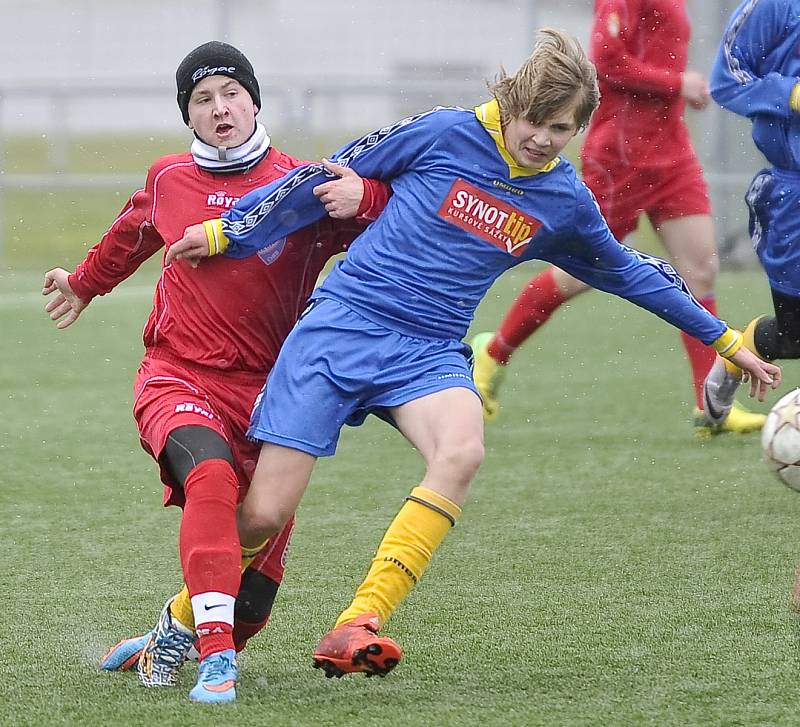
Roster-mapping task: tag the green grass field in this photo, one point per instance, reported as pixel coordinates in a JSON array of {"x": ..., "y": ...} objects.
[{"x": 610, "y": 569}]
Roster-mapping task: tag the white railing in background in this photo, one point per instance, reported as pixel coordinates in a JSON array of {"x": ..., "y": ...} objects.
[{"x": 326, "y": 109}]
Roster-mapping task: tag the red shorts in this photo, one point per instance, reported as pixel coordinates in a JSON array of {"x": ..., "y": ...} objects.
[
  {"x": 662, "y": 193},
  {"x": 169, "y": 394},
  {"x": 271, "y": 561}
]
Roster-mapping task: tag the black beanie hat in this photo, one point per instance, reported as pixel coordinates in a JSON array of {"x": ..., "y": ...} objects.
[{"x": 211, "y": 59}]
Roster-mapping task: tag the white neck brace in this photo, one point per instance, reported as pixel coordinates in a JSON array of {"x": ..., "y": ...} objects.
[{"x": 236, "y": 159}]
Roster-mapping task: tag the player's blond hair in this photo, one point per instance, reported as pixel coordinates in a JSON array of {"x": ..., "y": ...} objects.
[{"x": 556, "y": 75}]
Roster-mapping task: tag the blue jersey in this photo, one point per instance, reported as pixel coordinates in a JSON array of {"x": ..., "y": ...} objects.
[
  {"x": 755, "y": 75},
  {"x": 756, "y": 69},
  {"x": 462, "y": 212}
]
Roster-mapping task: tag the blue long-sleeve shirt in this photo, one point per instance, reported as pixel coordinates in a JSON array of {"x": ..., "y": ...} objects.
[
  {"x": 756, "y": 69},
  {"x": 461, "y": 214}
]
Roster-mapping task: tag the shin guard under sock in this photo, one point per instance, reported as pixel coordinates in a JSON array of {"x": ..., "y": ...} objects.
[{"x": 210, "y": 556}]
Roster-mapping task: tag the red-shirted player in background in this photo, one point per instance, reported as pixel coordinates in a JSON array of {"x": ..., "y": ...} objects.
[
  {"x": 207, "y": 355},
  {"x": 637, "y": 158}
]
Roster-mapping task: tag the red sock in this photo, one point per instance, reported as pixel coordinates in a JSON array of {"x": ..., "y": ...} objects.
[
  {"x": 533, "y": 306},
  {"x": 701, "y": 357},
  {"x": 209, "y": 543},
  {"x": 213, "y": 637},
  {"x": 243, "y": 631}
]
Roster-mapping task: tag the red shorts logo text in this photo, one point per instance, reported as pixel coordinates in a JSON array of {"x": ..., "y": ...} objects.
[
  {"x": 194, "y": 409},
  {"x": 480, "y": 213}
]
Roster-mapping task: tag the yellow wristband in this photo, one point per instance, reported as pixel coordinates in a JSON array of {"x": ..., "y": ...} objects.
[
  {"x": 728, "y": 343},
  {"x": 217, "y": 242},
  {"x": 794, "y": 98}
]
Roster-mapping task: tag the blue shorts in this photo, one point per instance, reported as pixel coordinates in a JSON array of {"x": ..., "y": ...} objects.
[
  {"x": 774, "y": 202},
  {"x": 336, "y": 367}
]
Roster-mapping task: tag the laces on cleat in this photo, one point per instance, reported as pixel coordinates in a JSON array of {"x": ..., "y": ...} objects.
[{"x": 165, "y": 651}]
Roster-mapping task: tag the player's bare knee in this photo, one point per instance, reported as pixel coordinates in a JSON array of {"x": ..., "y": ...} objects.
[
  {"x": 701, "y": 277},
  {"x": 708, "y": 275},
  {"x": 258, "y": 524},
  {"x": 462, "y": 458}
]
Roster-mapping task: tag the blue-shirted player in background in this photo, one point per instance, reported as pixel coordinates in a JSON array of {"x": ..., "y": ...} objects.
[
  {"x": 757, "y": 75},
  {"x": 476, "y": 192}
]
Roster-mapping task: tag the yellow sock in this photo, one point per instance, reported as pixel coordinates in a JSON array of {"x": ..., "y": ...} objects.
[
  {"x": 181, "y": 606},
  {"x": 181, "y": 609},
  {"x": 404, "y": 553},
  {"x": 249, "y": 554}
]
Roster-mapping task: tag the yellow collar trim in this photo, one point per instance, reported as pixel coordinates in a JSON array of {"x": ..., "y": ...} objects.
[{"x": 489, "y": 116}]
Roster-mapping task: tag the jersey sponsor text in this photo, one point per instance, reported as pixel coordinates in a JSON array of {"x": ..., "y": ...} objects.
[
  {"x": 492, "y": 220},
  {"x": 220, "y": 199}
]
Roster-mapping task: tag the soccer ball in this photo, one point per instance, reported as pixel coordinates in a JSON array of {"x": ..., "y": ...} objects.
[{"x": 780, "y": 440}]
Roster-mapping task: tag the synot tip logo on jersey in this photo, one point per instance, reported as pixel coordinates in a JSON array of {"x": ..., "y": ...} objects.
[{"x": 489, "y": 218}]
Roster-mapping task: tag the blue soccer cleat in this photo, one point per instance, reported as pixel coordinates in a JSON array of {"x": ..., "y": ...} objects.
[
  {"x": 124, "y": 655},
  {"x": 167, "y": 648},
  {"x": 216, "y": 680}
]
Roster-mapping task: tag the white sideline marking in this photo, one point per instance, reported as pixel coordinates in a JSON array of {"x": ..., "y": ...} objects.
[{"x": 36, "y": 298}]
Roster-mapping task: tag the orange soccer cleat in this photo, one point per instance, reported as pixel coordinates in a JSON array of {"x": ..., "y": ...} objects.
[{"x": 354, "y": 647}]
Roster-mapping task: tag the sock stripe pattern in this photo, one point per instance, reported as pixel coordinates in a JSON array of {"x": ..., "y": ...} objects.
[{"x": 433, "y": 507}]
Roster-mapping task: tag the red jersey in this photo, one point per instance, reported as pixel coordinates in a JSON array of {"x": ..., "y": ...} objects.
[
  {"x": 640, "y": 49},
  {"x": 225, "y": 314}
]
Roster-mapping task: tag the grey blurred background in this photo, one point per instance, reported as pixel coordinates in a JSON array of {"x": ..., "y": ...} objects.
[{"x": 328, "y": 71}]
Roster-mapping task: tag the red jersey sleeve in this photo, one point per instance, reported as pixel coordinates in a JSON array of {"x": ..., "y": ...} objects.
[
  {"x": 376, "y": 195},
  {"x": 618, "y": 35},
  {"x": 129, "y": 241},
  {"x": 343, "y": 232}
]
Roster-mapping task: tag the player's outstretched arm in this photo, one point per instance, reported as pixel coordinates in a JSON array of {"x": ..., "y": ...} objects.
[
  {"x": 66, "y": 306},
  {"x": 761, "y": 374}
]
